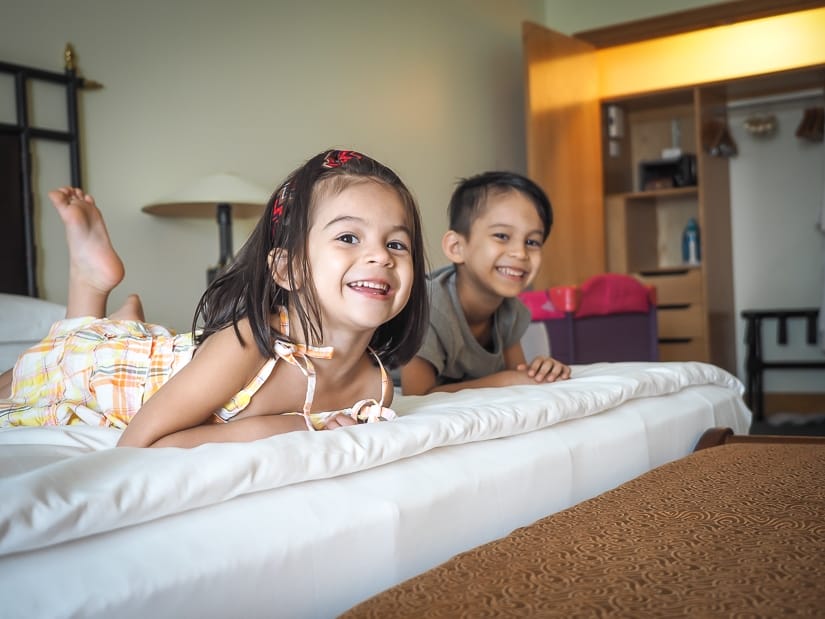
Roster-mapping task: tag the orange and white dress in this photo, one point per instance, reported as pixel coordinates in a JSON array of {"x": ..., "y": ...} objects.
[{"x": 98, "y": 371}]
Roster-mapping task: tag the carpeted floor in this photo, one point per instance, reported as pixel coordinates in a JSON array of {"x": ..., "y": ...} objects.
[{"x": 791, "y": 424}]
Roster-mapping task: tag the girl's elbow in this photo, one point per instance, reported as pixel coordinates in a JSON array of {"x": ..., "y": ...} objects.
[
  {"x": 132, "y": 438},
  {"x": 125, "y": 442}
]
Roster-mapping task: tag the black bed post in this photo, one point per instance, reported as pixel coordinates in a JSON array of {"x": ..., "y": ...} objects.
[
  {"x": 72, "y": 117},
  {"x": 22, "y": 103},
  {"x": 25, "y": 134}
]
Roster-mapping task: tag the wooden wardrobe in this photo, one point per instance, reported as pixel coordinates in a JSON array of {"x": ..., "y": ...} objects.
[{"x": 598, "y": 119}]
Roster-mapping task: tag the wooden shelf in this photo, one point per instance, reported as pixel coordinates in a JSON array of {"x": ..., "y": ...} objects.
[
  {"x": 644, "y": 227},
  {"x": 676, "y": 192}
]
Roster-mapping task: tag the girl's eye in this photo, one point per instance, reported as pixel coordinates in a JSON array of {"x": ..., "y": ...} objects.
[
  {"x": 500, "y": 236},
  {"x": 532, "y": 243},
  {"x": 397, "y": 246},
  {"x": 347, "y": 238}
]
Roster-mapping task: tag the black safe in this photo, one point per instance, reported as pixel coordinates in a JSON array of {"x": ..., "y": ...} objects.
[{"x": 665, "y": 173}]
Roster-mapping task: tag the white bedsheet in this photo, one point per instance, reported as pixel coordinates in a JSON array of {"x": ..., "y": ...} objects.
[{"x": 308, "y": 524}]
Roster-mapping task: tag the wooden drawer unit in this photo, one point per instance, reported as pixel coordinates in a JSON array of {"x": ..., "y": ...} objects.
[
  {"x": 689, "y": 350},
  {"x": 681, "y": 322},
  {"x": 681, "y": 316},
  {"x": 675, "y": 287}
]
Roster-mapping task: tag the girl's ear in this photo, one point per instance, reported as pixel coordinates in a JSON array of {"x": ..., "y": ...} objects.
[
  {"x": 452, "y": 244},
  {"x": 278, "y": 261}
]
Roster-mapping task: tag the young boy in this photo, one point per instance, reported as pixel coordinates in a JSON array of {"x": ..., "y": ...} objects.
[{"x": 499, "y": 222}]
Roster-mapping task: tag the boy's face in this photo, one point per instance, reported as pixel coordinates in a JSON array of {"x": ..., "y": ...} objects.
[{"x": 503, "y": 251}]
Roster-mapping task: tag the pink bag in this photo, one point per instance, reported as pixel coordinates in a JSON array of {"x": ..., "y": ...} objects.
[
  {"x": 613, "y": 293},
  {"x": 550, "y": 304}
]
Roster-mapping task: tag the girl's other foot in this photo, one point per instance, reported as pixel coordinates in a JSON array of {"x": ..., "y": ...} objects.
[{"x": 132, "y": 309}]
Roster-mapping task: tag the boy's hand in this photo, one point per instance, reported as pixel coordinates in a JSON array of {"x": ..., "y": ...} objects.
[{"x": 545, "y": 370}]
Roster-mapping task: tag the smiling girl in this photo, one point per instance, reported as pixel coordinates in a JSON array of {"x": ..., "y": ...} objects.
[{"x": 294, "y": 335}]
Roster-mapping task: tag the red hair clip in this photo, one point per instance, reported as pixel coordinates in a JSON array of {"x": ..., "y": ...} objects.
[
  {"x": 278, "y": 206},
  {"x": 337, "y": 158}
]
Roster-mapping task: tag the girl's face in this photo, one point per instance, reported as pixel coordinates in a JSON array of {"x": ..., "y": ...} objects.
[{"x": 360, "y": 255}]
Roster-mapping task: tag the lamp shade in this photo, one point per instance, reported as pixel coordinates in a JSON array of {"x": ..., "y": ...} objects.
[{"x": 199, "y": 198}]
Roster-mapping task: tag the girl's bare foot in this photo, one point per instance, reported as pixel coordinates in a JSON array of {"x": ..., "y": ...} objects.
[
  {"x": 5, "y": 384},
  {"x": 94, "y": 266},
  {"x": 132, "y": 309}
]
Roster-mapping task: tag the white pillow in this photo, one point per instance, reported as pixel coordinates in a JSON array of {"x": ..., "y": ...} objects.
[{"x": 24, "y": 321}]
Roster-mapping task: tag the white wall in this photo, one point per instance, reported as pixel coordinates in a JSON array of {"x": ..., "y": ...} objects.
[
  {"x": 777, "y": 188},
  {"x": 193, "y": 87},
  {"x": 432, "y": 88}
]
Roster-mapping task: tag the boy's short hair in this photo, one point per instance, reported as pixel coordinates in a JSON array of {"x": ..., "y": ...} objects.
[{"x": 470, "y": 198}]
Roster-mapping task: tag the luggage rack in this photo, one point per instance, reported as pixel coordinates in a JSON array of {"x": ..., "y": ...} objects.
[{"x": 755, "y": 364}]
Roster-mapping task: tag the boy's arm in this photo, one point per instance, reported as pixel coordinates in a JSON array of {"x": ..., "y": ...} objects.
[
  {"x": 539, "y": 370},
  {"x": 514, "y": 357},
  {"x": 418, "y": 377}
]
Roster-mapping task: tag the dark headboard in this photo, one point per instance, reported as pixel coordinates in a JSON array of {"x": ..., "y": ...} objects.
[{"x": 17, "y": 235}]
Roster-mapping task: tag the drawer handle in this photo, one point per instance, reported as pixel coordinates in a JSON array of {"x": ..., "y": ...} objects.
[
  {"x": 667, "y": 273},
  {"x": 675, "y": 340},
  {"x": 673, "y": 306}
]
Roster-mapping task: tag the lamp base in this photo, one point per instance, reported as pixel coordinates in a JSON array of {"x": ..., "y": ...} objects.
[
  {"x": 212, "y": 274},
  {"x": 224, "y": 217}
]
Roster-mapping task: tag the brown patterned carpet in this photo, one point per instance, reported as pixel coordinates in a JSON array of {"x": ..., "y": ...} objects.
[{"x": 731, "y": 531}]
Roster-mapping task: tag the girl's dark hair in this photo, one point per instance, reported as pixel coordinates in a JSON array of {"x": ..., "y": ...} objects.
[
  {"x": 246, "y": 289},
  {"x": 470, "y": 198}
]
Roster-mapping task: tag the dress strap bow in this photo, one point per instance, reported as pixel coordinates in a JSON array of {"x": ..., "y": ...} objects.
[{"x": 364, "y": 411}]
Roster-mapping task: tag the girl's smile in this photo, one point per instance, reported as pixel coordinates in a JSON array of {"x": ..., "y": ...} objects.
[{"x": 370, "y": 287}]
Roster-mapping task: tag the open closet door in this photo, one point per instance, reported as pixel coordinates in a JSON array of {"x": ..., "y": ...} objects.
[
  {"x": 564, "y": 151},
  {"x": 714, "y": 194}
]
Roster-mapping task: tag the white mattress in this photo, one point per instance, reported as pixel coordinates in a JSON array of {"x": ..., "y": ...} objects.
[{"x": 309, "y": 524}]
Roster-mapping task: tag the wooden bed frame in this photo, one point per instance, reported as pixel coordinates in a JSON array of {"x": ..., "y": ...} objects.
[
  {"x": 18, "y": 247},
  {"x": 715, "y": 437},
  {"x": 733, "y": 529}
]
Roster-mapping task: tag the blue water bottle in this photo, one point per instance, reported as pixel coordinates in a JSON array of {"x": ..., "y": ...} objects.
[{"x": 691, "y": 253}]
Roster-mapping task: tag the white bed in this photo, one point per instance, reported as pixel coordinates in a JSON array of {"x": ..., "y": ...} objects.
[{"x": 309, "y": 524}]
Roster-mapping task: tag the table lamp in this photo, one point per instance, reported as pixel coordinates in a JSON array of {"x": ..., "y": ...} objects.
[{"x": 218, "y": 195}]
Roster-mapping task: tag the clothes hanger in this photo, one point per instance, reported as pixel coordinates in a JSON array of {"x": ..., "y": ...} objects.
[
  {"x": 812, "y": 126},
  {"x": 717, "y": 139}
]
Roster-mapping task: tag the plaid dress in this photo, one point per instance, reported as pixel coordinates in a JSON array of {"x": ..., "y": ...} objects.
[
  {"x": 98, "y": 371},
  {"x": 93, "y": 371}
]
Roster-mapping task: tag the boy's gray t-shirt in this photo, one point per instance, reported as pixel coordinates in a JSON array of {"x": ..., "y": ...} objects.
[{"x": 449, "y": 345}]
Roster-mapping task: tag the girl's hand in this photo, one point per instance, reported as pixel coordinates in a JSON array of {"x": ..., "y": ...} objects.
[
  {"x": 341, "y": 420},
  {"x": 546, "y": 370}
]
